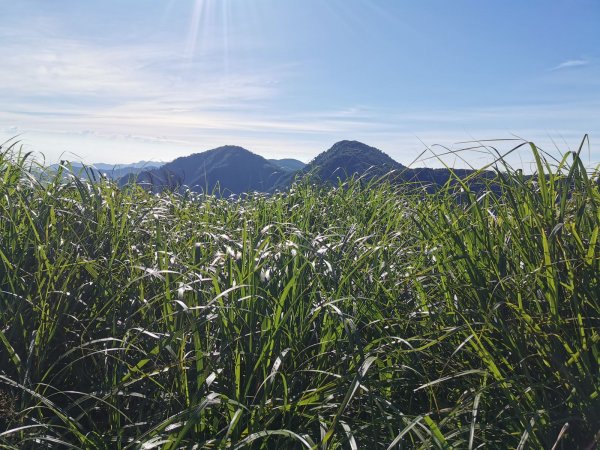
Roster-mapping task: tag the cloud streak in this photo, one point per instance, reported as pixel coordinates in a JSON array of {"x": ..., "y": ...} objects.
[
  {"x": 571, "y": 63},
  {"x": 147, "y": 130}
]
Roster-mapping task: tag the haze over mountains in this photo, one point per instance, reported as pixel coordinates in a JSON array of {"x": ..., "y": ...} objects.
[
  {"x": 234, "y": 170},
  {"x": 288, "y": 164},
  {"x": 113, "y": 171}
]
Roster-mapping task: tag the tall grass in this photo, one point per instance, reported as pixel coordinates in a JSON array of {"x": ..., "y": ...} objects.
[{"x": 353, "y": 317}]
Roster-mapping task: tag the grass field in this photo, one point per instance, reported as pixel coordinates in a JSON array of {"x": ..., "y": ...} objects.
[{"x": 353, "y": 317}]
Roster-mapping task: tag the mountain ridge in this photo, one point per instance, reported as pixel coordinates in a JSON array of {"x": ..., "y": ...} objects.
[
  {"x": 232, "y": 169},
  {"x": 226, "y": 169},
  {"x": 113, "y": 171}
]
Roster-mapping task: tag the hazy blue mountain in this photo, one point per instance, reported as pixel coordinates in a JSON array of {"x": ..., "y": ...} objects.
[
  {"x": 229, "y": 170},
  {"x": 288, "y": 164},
  {"x": 113, "y": 171},
  {"x": 137, "y": 165}
]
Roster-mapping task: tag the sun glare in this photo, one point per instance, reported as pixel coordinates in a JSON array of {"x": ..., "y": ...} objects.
[
  {"x": 198, "y": 22},
  {"x": 209, "y": 31}
]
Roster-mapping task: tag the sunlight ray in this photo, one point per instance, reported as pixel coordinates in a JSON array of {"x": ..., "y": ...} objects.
[{"x": 197, "y": 13}]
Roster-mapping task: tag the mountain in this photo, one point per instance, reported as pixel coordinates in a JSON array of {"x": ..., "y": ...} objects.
[
  {"x": 235, "y": 170},
  {"x": 288, "y": 164},
  {"x": 347, "y": 158},
  {"x": 352, "y": 158},
  {"x": 229, "y": 169},
  {"x": 113, "y": 171},
  {"x": 143, "y": 165}
]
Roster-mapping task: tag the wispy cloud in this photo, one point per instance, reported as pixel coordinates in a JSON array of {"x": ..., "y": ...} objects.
[
  {"x": 571, "y": 63},
  {"x": 123, "y": 95},
  {"x": 134, "y": 131},
  {"x": 67, "y": 69}
]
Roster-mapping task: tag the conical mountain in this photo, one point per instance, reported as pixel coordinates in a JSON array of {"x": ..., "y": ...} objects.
[
  {"x": 229, "y": 170},
  {"x": 351, "y": 158}
]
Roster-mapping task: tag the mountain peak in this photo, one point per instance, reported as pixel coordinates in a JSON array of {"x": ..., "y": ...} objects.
[
  {"x": 227, "y": 169},
  {"x": 231, "y": 149},
  {"x": 234, "y": 169},
  {"x": 347, "y": 142},
  {"x": 359, "y": 150},
  {"x": 347, "y": 158}
]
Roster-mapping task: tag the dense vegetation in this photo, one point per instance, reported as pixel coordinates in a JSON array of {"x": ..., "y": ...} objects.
[{"x": 354, "y": 317}]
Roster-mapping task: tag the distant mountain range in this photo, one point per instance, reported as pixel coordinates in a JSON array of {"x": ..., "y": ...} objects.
[
  {"x": 234, "y": 170},
  {"x": 288, "y": 164},
  {"x": 113, "y": 171}
]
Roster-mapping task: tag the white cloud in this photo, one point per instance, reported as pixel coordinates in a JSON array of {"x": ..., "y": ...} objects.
[
  {"x": 571, "y": 63},
  {"x": 70, "y": 69}
]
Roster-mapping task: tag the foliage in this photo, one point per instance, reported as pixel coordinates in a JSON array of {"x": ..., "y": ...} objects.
[{"x": 351, "y": 317}]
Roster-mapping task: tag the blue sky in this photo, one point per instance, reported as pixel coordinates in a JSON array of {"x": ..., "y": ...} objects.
[{"x": 126, "y": 80}]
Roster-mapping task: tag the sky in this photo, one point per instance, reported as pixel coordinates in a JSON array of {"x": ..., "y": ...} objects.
[{"x": 120, "y": 81}]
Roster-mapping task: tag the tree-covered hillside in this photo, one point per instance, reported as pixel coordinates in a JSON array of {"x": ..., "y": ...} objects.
[
  {"x": 226, "y": 170},
  {"x": 348, "y": 158}
]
